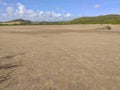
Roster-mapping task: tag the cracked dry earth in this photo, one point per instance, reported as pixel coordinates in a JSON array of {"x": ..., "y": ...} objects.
[{"x": 71, "y": 57}]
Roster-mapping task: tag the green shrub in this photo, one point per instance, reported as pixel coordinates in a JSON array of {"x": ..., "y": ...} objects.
[{"x": 107, "y": 27}]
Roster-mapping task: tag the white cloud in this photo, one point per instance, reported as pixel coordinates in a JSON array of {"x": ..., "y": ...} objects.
[
  {"x": 3, "y": 14},
  {"x": 68, "y": 15},
  {"x": 22, "y": 12},
  {"x": 3, "y": 3},
  {"x": 9, "y": 10},
  {"x": 97, "y": 6},
  {"x": 21, "y": 9}
]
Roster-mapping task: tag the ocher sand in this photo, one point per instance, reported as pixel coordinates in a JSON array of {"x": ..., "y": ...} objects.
[{"x": 71, "y": 57}]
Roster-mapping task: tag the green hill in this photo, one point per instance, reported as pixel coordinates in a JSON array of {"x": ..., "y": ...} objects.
[
  {"x": 20, "y": 21},
  {"x": 106, "y": 19},
  {"x": 16, "y": 22}
]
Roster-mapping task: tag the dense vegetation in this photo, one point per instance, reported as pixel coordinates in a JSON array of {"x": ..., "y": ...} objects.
[
  {"x": 21, "y": 21},
  {"x": 106, "y": 19}
]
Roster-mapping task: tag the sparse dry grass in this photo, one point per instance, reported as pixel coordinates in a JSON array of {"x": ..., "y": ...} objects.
[{"x": 58, "y": 57}]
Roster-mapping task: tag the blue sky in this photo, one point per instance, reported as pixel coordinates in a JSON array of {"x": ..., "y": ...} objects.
[{"x": 56, "y": 10}]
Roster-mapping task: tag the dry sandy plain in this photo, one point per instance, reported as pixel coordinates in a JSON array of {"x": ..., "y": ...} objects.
[{"x": 58, "y": 57}]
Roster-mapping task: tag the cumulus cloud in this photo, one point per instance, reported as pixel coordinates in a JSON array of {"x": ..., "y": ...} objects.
[
  {"x": 68, "y": 15},
  {"x": 22, "y": 12},
  {"x": 97, "y": 6},
  {"x": 9, "y": 10},
  {"x": 3, "y": 3},
  {"x": 4, "y": 14},
  {"x": 21, "y": 9}
]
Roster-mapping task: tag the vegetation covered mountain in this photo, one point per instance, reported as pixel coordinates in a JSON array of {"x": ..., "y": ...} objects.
[
  {"x": 17, "y": 22},
  {"x": 20, "y": 21},
  {"x": 105, "y": 19}
]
